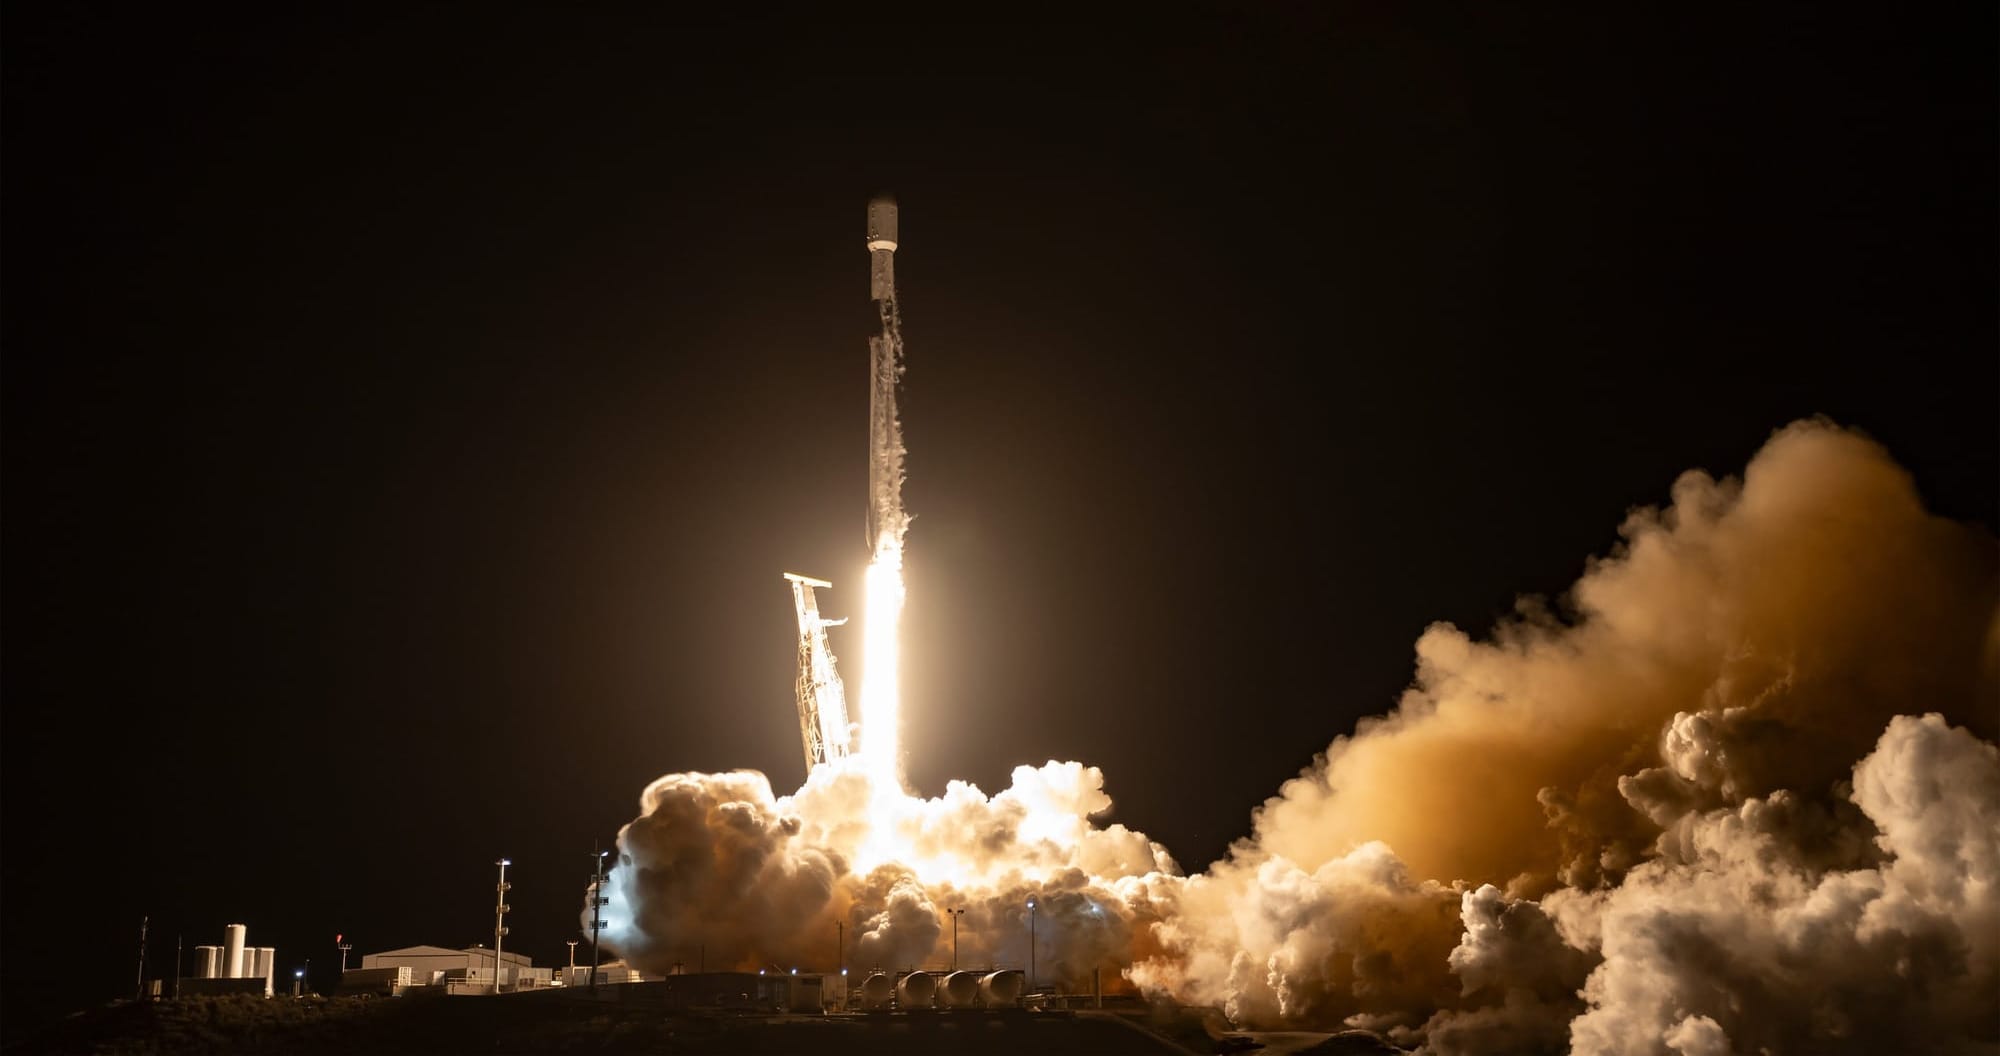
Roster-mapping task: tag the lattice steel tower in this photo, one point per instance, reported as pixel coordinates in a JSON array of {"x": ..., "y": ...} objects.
[{"x": 823, "y": 725}]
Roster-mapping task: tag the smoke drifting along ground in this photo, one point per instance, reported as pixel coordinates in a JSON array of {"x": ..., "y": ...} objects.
[{"x": 1739, "y": 795}]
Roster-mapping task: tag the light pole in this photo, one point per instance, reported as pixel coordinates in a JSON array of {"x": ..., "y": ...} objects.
[
  {"x": 1031, "y": 945},
  {"x": 572, "y": 963},
  {"x": 340, "y": 943},
  {"x": 139, "y": 988},
  {"x": 500, "y": 919},
  {"x": 298, "y": 981},
  {"x": 955, "y": 914}
]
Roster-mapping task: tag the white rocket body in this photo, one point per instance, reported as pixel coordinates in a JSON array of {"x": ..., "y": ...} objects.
[
  {"x": 880, "y": 703},
  {"x": 885, "y": 370}
]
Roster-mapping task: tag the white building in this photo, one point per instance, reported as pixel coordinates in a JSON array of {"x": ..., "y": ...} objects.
[
  {"x": 608, "y": 972},
  {"x": 433, "y": 965}
]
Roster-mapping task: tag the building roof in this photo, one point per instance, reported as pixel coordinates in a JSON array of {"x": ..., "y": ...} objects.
[
  {"x": 509, "y": 956},
  {"x": 479, "y": 952},
  {"x": 420, "y": 951}
]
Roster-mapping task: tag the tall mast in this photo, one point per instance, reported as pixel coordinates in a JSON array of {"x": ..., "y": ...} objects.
[{"x": 823, "y": 725}]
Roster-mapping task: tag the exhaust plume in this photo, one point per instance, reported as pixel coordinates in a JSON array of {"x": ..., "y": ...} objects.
[{"x": 1737, "y": 791}]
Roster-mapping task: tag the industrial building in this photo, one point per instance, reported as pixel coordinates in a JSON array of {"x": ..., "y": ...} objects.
[
  {"x": 468, "y": 971},
  {"x": 608, "y": 972}
]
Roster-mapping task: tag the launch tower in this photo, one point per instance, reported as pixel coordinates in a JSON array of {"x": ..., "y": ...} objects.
[{"x": 822, "y": 698}]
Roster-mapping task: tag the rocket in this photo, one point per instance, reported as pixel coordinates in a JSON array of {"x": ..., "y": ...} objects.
[{"x": 886, "y": 519}]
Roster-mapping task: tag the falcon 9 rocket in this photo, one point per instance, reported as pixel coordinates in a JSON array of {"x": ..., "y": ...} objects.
[{"x": 885, "y": 430}]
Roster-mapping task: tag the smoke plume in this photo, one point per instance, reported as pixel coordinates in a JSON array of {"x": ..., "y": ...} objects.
[
  {"x": 1735, "y": 792},
  {"x": 719, "y": 869}
]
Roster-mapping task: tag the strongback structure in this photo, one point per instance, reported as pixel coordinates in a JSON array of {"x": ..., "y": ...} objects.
[{"x": 823, "y": 722}]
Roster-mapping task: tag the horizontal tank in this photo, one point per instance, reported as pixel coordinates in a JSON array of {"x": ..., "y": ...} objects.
[
  {"x": 916, "y": 990},
  {"x": 1003, "y": 989},
  {"x": 959, "y": 990},
  {"x": 877, "y": 991}
]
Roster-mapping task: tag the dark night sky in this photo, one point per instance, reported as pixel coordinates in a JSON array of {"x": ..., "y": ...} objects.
[{"x": 407, "y": 416}]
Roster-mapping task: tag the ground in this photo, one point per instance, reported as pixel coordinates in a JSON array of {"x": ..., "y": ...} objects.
[{"x": 554, "y": 1022}]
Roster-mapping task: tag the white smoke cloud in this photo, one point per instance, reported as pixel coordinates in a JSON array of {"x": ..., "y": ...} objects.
[
  {"x": 1735, "y": 941},
  {"x": 1523, "y": 974},
  {"x": 1687, "y": 811},
  {"x": 718, "y": 868}
]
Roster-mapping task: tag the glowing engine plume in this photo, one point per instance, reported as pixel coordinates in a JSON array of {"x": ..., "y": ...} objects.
[{"x": 880, "y": 700}]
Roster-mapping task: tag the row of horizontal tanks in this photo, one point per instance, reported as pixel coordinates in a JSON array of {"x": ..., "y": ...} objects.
[{"x": 881, "y": 991}]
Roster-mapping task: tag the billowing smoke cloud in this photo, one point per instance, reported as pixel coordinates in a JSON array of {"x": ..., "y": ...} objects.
[
  {"x": 719, "y": 870},
  {"x": 1692, "y": 809},
  {"x": 1733, "y": 940}
]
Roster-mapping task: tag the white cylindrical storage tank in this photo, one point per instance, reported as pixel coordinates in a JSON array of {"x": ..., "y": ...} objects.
[
  {"x": 1003, "y": 988},
  {"x": 916, "y": 990},
  {"x": 206, "y": 960},
  {"x": 267, "y": 963},
  {"x": 876, "y": 992},
  {"x": 959, "y": 990},
  {"x": 232, "y": 951}
]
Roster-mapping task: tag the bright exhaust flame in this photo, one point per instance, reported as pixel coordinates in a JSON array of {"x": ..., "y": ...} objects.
[{"x": 881, "y": 699}]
